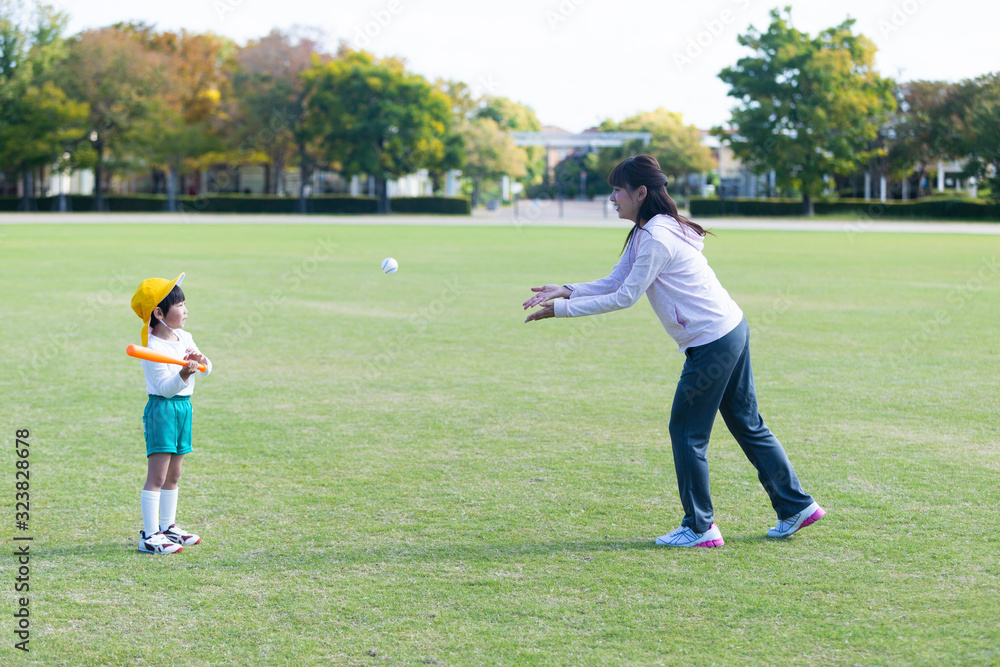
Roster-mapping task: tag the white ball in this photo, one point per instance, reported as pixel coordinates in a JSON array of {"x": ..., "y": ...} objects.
[{"x": 389, "y": 265}]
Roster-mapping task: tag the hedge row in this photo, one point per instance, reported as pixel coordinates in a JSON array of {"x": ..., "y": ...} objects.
[
  {"x": 922, "y": 209},
  {"x": 220, "y": 203},
  {"x": 437, "y": 205}
]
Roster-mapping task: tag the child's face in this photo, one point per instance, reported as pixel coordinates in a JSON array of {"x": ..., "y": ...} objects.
[{"x": 176, "y": 316}]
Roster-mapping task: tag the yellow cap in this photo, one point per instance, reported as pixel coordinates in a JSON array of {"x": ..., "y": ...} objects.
[{"x": 149, "y": 295}]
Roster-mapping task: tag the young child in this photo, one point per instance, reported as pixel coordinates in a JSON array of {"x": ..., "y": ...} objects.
[{"x": 166, "y": 421}]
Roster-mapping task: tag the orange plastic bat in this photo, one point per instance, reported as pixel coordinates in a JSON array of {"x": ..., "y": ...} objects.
[{"x": 140, "y": 352}]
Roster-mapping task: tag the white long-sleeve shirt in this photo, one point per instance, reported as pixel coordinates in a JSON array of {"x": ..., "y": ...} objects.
[
  {"x": 664, "y": 260},
  {"x": 165, "y": 379}
]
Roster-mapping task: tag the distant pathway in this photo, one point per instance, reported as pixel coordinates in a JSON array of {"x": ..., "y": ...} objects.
[{"x": 502, "y": 218}]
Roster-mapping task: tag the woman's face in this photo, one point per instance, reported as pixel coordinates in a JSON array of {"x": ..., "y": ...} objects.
[{"x": 628, "y": 202}]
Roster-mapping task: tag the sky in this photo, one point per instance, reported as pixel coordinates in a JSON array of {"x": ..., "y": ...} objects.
[{"x": 578, "y": 62}]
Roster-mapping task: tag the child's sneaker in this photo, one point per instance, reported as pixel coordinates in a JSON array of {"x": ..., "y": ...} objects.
[
  {"x": 806, "y": 517},
  {"x": 157, "y": 543},
  {"x": 178, "y": 536},
  {"x": 685, "y": 537}
]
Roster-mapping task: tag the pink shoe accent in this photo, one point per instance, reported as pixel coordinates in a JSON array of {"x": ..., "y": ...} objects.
[
  {"x": 816, "y": 516},
  {"x": 711, "y": 543}
]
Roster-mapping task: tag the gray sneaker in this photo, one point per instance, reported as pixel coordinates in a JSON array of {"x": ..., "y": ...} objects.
[
  {"x": 685, "y": 537},
  {"x": 792, "y": 524}
]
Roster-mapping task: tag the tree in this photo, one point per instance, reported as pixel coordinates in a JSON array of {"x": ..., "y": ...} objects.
[
  {"x": 974, "y": 110},
  {"x": 810, "y": 106},
  {"x": 373, "y": 117},
  {"x": 42, "y": 126},
  {"x": 581, "y": 175},
  {"x": 464, "y": 103},
  {"x": 676, "y": 146},
  {"x": 463, "y": 108},
  {"x": 37, "y": 121},
  {"x": 512, "y": 116},
  {"x": 185, "y": 124},
  {"x": 526, "y": 164},
  {"x": 490, "y": 153},
  {"x": 119, "y": 79},
  {"x": 918, "y": 134},
  {"x": 270, "y": 93}
]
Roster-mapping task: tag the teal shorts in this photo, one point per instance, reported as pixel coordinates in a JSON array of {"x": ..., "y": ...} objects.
[{"x": 166, "y": 423}]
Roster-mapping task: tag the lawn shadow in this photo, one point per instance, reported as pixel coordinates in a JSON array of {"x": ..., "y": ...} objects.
[
  {"x": 416, "y": 552},
  {"x": 398, "y": 552},
  {"x": 93, "y": 551}
]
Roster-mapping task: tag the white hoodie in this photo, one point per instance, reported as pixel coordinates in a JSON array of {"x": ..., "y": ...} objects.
[
  {"x": 664, "y": 260},
  {"x": 165, "y": 379}
]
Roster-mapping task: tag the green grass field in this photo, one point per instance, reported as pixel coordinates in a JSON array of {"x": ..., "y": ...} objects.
[{"x": 397, "y": 470}]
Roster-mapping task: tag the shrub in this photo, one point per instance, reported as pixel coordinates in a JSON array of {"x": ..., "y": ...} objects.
[
  {"x": 943, "y": 208},
  {"x": 439, "y": 205},
  {"x": 248, "y": 204}
]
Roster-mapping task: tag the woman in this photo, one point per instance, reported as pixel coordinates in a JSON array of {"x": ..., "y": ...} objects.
[{"x": 662, "y": 258}]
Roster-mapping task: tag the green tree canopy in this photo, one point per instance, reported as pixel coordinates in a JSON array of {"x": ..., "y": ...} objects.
[
  {"x": 920, "y": 129},
  {"x": 464, "y": 103},
  {"x": 184, "y": 129},
  {"x": 42, "y": 126},
  {"x": 809, "y": 106},
  {"x": 120, "y": 81},
  {"x": 38, "y": 123},
  {"x": 374, "y": 117},
  {"x": 484, "y": 148},
  {"x": 490, "y": 153},
  {"x": 975, "y": 112},
  {"x": 676, "y": 146},
  {"x": 269, "y": 96},
  {"x": 511, "y": 116}
]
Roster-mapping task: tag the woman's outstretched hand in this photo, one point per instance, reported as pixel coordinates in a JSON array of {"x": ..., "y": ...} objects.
[
  {"x": 548, "y": 310},
  {"x": 543, "y": 295}
]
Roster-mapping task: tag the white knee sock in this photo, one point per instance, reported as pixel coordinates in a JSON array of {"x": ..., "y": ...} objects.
[
  {"x": 168, "y": 508},
  {"x": 150, "y": 511}
]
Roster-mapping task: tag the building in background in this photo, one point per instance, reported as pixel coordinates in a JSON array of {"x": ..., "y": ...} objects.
[
  {"x": 731, "y": 178},
  {"x": 736, "y": 180},
  {"x": 560, "y": 144}
]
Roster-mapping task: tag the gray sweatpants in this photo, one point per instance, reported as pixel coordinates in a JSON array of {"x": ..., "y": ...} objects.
[{"x": 717, "y": 377}]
